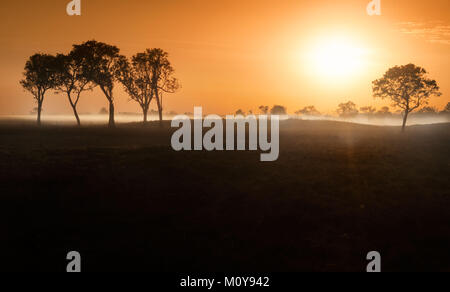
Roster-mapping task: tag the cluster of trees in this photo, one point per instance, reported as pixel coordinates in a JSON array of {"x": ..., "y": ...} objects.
[
  {"x": 407, "y": 87},
  {"x": 429, "y": 110},
  {"x": 346, "y": 110},
  {"x": 350, "y": 110},
  {"x": 145, "y": 77},
  {"x": 265, "y": 110},
  {"x": 148, "y": 75},
  {"x": 308, "y": 111}
]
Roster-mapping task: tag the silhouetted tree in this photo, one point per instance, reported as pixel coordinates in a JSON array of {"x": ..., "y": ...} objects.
[
  {"x": 384, "y": 112},
  {"x": 428, "y": 110},
  {"x": 103, "y": 111},
  {"x": 407, "y": 87},
  {"x": 39, "y": 77},
  {"x": 172, "y": 113},
  {"x": 347, "y": 110},
  {"x": 240, "y": 112},
  {"x": 368, "y": 110},
  {"x": 71, "y": 80},
  {"x": 278, "y": 110},
  {"x": 308, "y": 111},
  {"x": 447, "y": 108},
  {"x": 99, "y": 65},
  {"x": 136, "y": 77},
  {"x": 162, "y": 80},
  {"x": 264, "y": 109}
]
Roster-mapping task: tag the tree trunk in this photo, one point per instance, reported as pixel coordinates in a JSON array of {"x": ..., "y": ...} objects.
[
  {"x": 112, "y": 123},
  {"x": 158, "y": 101},
  {"x": 39, "y": 113},
  {"x": 405, "y": 118},
  {"x": 74, "y": 107},
  {"x": 145, "y": 111}
]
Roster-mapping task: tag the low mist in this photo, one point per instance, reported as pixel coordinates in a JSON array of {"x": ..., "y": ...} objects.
[{"x": 98, "y": 119}]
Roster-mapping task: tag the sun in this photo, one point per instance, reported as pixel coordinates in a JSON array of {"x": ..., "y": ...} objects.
[{"x": 337, "y": 57}]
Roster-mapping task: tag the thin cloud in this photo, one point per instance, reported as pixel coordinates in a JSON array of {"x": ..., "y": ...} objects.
[{"x": 434, "y": 32}]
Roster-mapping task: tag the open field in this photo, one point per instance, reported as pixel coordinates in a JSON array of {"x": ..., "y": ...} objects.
[{"x": 127, "y": 201}]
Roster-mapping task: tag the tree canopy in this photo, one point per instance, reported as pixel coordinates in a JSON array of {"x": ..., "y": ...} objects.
[
  {"x": 162, "y": 79},
  {"x": 99, "y": 64},
  {"x": 278, "y": 110},
  {"x": 71, "y": 78},
  {"x": 39, "y": 77},
  {"x": 308, "y": 111},
  {"x": 347, "y": 110},
  {"x": 136, "y": 78}
]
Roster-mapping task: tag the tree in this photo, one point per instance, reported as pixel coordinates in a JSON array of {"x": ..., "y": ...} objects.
[
  {"x": 447, "y": 108},
  {"x": 408, "y": 87},
  {"x": 264, "y": 109},
  {"x": 240, "y": 112},
  {"x": 308, "y": 111},
  {"x": 71, "y": 79},
  {"x": 103, "y": 111},
  {"x": 39, "y": 77},
  {"x": 368, "y": 110},
  {"x": 162, "y": 80},
  {"x": 384, "y": 112},
  {"x": 99, "y": 65},
  {"x": 136, "y": 77},
  {"x": 428, "y": 110},
  {"x": 347, "y": 110},
  {"x": 278, "y": 110}
]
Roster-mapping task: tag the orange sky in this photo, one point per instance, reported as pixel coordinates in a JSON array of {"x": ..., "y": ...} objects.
[{"x": 231, "y": 54}]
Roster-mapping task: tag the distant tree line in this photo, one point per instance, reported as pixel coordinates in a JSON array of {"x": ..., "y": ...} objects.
[
  {"x": 265, "y": 110},
  {"x": 407, "y": 87},
  {"x": 145, "y": 77},
  {"x": 349, "y": 110},
  {"x": 346, "y": 110}
]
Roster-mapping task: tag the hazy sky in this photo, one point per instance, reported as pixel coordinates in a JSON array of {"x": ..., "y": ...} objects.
[{"x": 233, "y": 54}]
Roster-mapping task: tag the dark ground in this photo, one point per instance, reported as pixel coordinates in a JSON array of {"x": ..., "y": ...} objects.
[{"x": 127, "y": 202}]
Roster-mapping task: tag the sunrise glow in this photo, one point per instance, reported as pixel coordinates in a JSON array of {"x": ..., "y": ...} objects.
[{"x": 336, "y": 57}]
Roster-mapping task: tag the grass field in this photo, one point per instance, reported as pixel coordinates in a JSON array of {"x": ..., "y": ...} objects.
[{"x": 126, "y": 201}]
